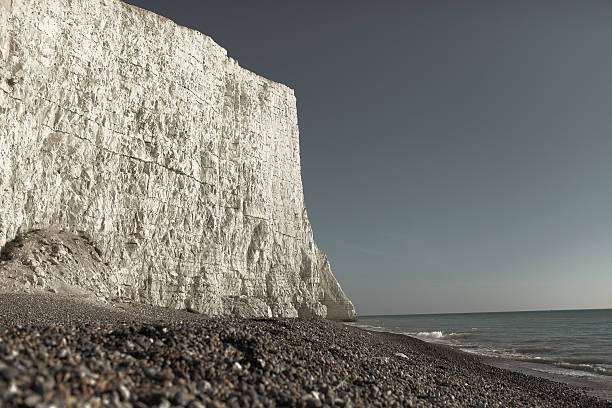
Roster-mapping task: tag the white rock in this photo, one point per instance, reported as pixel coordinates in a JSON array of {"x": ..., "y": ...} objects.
[{"x": 182, "y": 167}]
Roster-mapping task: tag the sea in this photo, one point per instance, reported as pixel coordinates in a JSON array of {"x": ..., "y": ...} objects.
[{"x": 554, "y": 344}]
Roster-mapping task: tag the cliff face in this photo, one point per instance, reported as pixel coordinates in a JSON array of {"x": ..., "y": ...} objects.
[{"x": 180, "y": 166}]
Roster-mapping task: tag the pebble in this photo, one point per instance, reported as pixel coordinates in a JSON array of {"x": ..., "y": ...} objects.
[
  {"x": 8, "y": 373},
  {"x": 124, "y": 392},
  {"x": 32, "y": 400},
  {"x": 180, "y": 398},
  {"x": 63, "y": 352}
]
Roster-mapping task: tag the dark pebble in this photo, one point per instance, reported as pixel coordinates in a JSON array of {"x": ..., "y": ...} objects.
[
  {"x": 180, "y": 398},
  {"x": 8, "y": 373}
]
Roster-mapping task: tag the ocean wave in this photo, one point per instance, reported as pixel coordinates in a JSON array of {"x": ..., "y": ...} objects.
[
  {"x": 570, "y": 366},
  {"x": 535, "y": 340},
  {"x": 460, "y": 335},
  {"x": 573, "y": 366},
  {"x": 423, "y": 335},
  {"x": 440, "y": 335},
  {"x": 431, "y": 334},
  {"x": 586, "y": 360},
  {"x": 592, "y": 368},
  {"x": 537, "y": 349}
]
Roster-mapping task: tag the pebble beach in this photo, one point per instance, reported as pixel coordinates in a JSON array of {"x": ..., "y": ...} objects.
[{"x": 59, "y": 351}]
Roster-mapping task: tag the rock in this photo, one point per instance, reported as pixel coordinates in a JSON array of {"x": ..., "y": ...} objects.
[
  {"x": 12, "y": 389},
  {"x": 8, "y": 373},
  {"x": 164, "y": 404},
  {"x": 32, "y": 400},
  {"x": 205, "y": 387},
  {"x": 124, "y": 392},
  {"x": 63, "y": 353},
  {"x": 312, "y": 400},
  {"x": 179, "y": 168},
  {"x": 180, "y": 398}
]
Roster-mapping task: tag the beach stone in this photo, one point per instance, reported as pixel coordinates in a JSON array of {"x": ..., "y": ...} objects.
[
  {"x": 150, "y": 167},
  {"x": 180, "y": 398},
  {"x": 124, "y": 392},
  {"x": 32, "y": 400},
  {"x": 63, "y": 353},
  {"x": 8, "y": 373}
]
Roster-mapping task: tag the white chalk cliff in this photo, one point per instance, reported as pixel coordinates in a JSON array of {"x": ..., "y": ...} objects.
[{"x": 180, "y": 166}]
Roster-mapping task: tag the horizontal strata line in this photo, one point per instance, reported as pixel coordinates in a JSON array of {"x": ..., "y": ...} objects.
[
  {"x": 11, "y": 96},
  {"x": 168, "y": 168},
  {"x": 84, "y": 117},
  {"x": 171, "y": 169}
]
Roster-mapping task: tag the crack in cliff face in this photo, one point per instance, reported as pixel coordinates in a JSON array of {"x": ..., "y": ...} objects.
[
  {"x": 127, "y": 156},
  {"x": 183, "y": 166}
]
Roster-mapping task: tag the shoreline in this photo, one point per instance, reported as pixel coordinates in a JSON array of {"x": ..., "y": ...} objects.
[
  {"x": 63, "y": 350},
  {"x": 597, "y": 385}
]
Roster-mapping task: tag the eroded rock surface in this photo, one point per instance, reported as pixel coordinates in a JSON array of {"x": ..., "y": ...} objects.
[
  {"x": 180, "y": 166},
  {"x": 58, "y": 262}
]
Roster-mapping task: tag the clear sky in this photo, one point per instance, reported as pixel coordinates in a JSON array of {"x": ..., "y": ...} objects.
[{"x": 456, "y": 156}]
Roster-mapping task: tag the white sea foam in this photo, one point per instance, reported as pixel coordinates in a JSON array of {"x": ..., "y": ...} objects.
[
  {"x": 432, "y": 334},
  {"x": 439, "y": 335}
]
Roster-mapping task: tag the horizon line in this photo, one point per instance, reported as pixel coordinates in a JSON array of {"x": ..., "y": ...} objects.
[{"x": 502, "y": 311}]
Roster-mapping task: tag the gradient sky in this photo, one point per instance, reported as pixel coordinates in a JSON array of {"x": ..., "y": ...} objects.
[{"x": 456, "y": 156}]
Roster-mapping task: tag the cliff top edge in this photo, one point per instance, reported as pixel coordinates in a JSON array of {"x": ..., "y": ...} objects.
[{"x": 150, "y": 13}]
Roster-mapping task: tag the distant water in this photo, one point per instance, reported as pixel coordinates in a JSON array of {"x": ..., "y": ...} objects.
[{"x": 568, "y": 342}]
